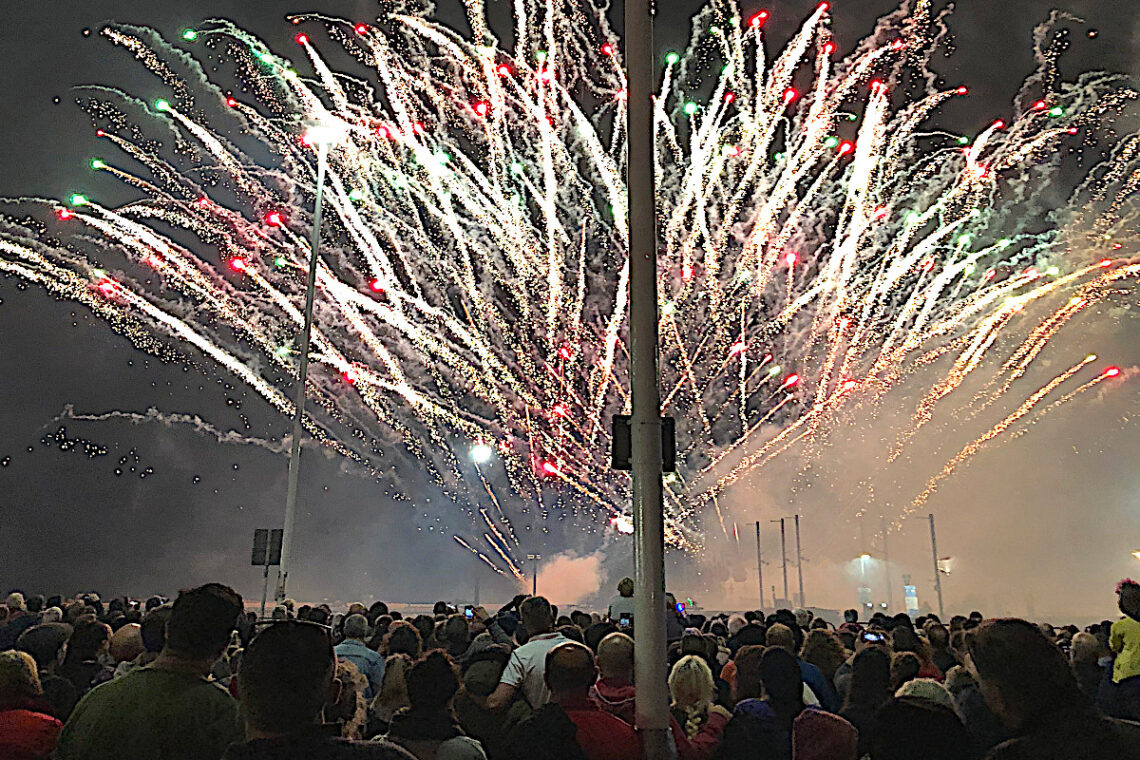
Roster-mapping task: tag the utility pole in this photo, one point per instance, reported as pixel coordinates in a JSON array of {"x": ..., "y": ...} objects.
[
  {"x": 302, "y": 379},
  {"x": 652, "y": 700},
  {"x": 534, "y": 573},
  {"x": 887, "y": 565},
  {"x": 800, "y": 562},
  {"x": 783, "y": 556},
  {"x": 937, "y": 569},
  {"x": 759, "y": 565}
]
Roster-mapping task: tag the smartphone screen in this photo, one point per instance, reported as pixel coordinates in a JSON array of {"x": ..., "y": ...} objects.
[{"x": 469, "y": 612}]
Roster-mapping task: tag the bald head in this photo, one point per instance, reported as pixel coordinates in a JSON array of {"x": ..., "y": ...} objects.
[
  {"x": 570, "y": 670},
  {"x": 615, "y": 657}
]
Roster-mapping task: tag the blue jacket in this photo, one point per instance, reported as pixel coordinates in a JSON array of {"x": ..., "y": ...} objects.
[
  {"x": 813, "y": 677},
  {"x": 369, "y": 663}
]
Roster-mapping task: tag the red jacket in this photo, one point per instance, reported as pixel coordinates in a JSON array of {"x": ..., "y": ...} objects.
[
  {"x": 615, "y": 698},
  {"x": 27, "y": 735},
  {"x": 600, "y": 735}
]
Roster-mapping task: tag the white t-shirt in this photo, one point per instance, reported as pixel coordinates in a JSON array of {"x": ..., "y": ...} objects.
[
  {"x": 526, "y": 669},
  {"x": 619, "y": 606}
]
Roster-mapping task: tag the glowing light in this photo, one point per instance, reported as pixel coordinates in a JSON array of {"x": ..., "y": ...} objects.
[
  {"x": 231, "y": 102},
  {"x": 1039, "y": 105},
  {"x": 203, "y": 201},
  {"x": 789, "y": 381},
  {"x": 738, "y": 348},
  {"x": 550, "y": 468},
  {"x": 481, "y": 453},
  {"x": 622, "y": 524},
  {"x": 565, "y": 353},
  {"x": 545, "y": 75},
  {"x": 162, "y": 105},
  {"x": 361, "y": 28},
  {"x": 97, "y": 164},
  {"x": 107, "y": 287},
  {"x": 1056, "y": 111},
  {"x": 758, "y": 20},
  {"x": 79, "y": 199},
  {"x": 621, "y": 94},
  {"x": 1104, "y": 263},
  {"x": 846, "y": 147},
  {"x": 791, "y": 258},
  {"x": 848, "y": 385},
  {"x": 691, "y": 108},
  {"x": 687, "y": 272},
  {"x": 1053, "y": 271},
  {"x": 731, "y": 150},
  {"x": 1112, "y": 372},
  {"x": 349, "y": 377},
  {"x": 668, "y": 309},
  {"x": 928, "y": 265},
  {"x": 238, "y": 265},
  {"x": 301, "y": 39},
  {"x": 672, "y": 58},
  {"x": 65, "y": 214},
  {"x": 189, "y": 35},
  {"x": 790, "y": 94},
  {"x": 607, "y": 49},
  {"x": 963, "y": 140},
  {"x": 880, "y": 212},
  {"x": 355, "y": 195},
  {"x": 829, "y": 48},
  {"x": 503, "y": 70},
  {"x": 831, "y": 141},
  {"x": 482, "y": 107},
  {"x": 999, "y": 124},
  {"x": 963, "y": 90},
  {"x": 898, "y": 45},
  {"x": 279, "y": 261},
  {"x": 876, "y": 86},
  {"x": 729, "y": 97},
  {"x": 774, "y": 370},
  {"x": 274, "y": 219},
  {"x": 375, "y": 286}
]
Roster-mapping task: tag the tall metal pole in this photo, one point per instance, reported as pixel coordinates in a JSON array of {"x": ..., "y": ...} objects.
[
  {"x": 302, "y": 380},
  {"x": 652, "y": 702},
  {"x": 887, "y": 565},
  {"x": 783, "y": 558},
  {"x": 937, "y": 570},
  {"x": 800, "y": 562},
  {"x": 759, "y": 565}
]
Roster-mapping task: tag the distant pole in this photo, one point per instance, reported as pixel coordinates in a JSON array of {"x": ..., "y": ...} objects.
[
  {"x": 759, "y": 565},
  {"x": 302, "y": 380},
  {"x": 937, "y": 570},
  {"x": 800, "y": 562},
  {"x": 783, "y": 558},
  {"x": 652, "y": 699},
  {"x": 534, "y": 573},
  {"x": 887, "y": 565},
  {"x": 264, "y": 587},
  {"x": 476, "y": 600}
]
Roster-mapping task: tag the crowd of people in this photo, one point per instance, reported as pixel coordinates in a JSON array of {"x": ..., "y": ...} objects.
[{"x": 200, "y": 677}]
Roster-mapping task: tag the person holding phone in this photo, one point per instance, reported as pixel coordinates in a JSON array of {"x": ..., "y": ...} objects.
[{"x": 622, "y": 604}]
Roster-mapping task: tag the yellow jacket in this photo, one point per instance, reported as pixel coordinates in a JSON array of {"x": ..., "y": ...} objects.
[{"x": 1125, "y": 641}]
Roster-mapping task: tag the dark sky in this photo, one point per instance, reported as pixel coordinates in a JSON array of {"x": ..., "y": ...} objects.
[{"x": 165, "y": 508}]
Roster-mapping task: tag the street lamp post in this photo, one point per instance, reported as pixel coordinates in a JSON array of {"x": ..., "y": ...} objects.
[
  {"x": 321, "y": 137},
  {"x": 652, "y": 702},
  {"x": 534, "y": 573}
]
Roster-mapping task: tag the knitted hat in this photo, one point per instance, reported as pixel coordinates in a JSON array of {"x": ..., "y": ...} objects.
[{"x": 817, "y": 735}]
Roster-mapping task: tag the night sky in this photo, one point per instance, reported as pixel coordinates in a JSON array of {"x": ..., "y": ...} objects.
[{"x": 165, "y": 508}]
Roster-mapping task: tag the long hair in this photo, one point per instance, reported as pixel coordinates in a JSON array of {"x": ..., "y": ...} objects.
[
  {"x": 870, "y": 679},
  {"x": 783, "y": 684},
  {"x": 692, "y": 690},
  {"x": 823, "y": 649}
]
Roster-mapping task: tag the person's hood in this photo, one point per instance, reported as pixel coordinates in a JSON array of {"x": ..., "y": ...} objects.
[
  {"x": 757, "y": 709},
  {"x": 613, "y": 693}
]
